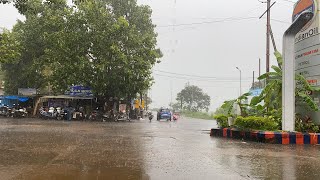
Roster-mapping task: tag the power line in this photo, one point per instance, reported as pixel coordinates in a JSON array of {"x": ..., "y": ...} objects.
[
  {"x": 280, "y": 21},
  {"x": 203, "y": 80},
  {"x": 289, "y": 1},
  {"x": 203, "y": 77},
  {"x": 192, "y": 28},
  {"x": 208, "y": 22},
  {"x": 218, "y": 21}
]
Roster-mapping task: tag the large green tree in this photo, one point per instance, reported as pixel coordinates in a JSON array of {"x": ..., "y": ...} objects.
[
  {"x": 107, "y": 45},
  {"x": 194, "y": 99},
  {"x": 24, "y": 50},
  {"x": 21, "y": 5}
]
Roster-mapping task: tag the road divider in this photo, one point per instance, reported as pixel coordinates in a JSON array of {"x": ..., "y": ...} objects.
[{"x": 267, "y": 136}]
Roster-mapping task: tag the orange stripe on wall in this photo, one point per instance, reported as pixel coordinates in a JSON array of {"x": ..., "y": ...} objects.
[
  {"x": 299, "y": 138},
  {"x": 285, "y": 138},
  {"x": 313, "y": 138},
  {"x": 269, "y": 135},
  {"x": 225, "y": 132}
]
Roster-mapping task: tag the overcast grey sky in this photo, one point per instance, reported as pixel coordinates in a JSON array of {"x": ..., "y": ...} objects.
[
  {"x": 223, "y": 35},
  {"x": 212, "y": 49}
]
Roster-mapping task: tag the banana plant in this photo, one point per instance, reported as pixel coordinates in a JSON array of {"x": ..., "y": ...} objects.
[
  {"x": 240, "y": 101},
  {"x": 271, "y": 95}
]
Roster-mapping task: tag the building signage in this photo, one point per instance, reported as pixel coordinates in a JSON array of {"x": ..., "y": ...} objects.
[
  {"x": 307, "y": 43},
  {"x": 27, "y": 92},
  {"x": 307, "y": 51},
  {"x": 301, "y": 6},
  {"x": 80, "y": 91}
]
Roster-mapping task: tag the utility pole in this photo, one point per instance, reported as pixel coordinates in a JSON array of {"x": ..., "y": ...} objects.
[
  {"x": 268, "y": 37},
  {"x": 269, "y": 6},
  {"x": 253, "y": 81},
  {"x": 259, "y": 72}
]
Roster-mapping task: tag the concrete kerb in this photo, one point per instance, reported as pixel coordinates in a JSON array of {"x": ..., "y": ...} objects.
[{"x": 268, "y": 136}]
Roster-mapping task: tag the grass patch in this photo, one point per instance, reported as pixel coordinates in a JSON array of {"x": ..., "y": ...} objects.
[{"x": 198, "y": 115}]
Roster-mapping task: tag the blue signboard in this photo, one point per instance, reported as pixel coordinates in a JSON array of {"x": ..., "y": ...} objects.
[
  {"x": 80, "y": 91},
  {"x": 256, "y": 92}
]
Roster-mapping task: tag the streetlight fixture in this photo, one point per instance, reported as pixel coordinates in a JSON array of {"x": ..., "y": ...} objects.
[
  {"x": 240, "y": 81},
  {"x": 288, "y": 77}
]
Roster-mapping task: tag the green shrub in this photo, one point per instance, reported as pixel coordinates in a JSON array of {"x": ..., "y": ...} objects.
[
  {"x": 222, "y": 120},
  {"x": 198, "y": 115},
  {"x": 306, "y": 126},
  {"x": 256, "y": 123}
]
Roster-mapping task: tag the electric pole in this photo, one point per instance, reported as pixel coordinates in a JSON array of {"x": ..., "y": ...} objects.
[
  {"x": 269, "y": 6},
  {"x": 253, "y": 81},
  {"x": 260, "y": 73},
  {"x": 268, "y": 37}
]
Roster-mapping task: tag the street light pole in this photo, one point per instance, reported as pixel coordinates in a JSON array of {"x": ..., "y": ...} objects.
[{"x": 240, "y": 81}]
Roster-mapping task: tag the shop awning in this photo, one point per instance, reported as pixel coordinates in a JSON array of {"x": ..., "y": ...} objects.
[
  {"x": 19, "y": 98},
  {"x": 66, "y": 97}
]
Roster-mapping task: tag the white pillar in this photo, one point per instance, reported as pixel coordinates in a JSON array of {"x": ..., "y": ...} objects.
[{"x": 288, "y": 84}]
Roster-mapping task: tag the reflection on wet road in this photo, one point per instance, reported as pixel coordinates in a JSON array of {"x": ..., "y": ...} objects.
[{"x": 36, "y": 149}]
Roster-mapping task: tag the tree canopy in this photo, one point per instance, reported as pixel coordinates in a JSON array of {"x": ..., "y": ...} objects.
[
  {"x": 194, "y": 99},
  {"x": 108, "y": 45}
]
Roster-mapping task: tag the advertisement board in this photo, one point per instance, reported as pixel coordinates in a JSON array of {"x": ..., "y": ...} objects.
[
  {"x": 27, "y": 92},
  {"x": 80, "y": 91},
  {"x": 307, "y": 53}
]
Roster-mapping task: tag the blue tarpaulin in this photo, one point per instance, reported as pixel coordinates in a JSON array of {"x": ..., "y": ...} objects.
[{"x": 21, "y": 99}]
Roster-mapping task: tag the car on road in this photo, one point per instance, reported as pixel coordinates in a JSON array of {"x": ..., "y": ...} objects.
[{"x": 164, "y": 113}]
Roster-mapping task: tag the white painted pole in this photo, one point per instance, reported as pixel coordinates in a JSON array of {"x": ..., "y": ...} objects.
[{"x": 288, "y": 79}]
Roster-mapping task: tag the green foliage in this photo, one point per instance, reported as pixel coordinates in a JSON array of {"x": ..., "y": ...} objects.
[
  {"x": 222, "y": 120},
  {"x": 9, "y": 47},
  {"x": 243, "y": 106},
  {"x": 255, "y": 123},
  {"x": 271, "y": 96},
  {"x": 221, "y": 110},
  {"x": 21, "y": 5},
  {"x": 279, "y": 59},
  {"x": 175, "y": 106},
  {"x": 227, "y": 106},
  {"x": 107, "y": 45},
  {"x": 306, "y": 126},
  {"x": 194, "y": 99},
  {"x": 198, "y": 115}
]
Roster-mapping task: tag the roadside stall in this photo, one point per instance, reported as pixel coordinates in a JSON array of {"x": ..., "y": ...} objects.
[
  {"x": 11, "y": 101},
  {"x": 84, "y": 104}
]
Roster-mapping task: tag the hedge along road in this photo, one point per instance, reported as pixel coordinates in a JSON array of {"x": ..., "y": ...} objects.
[{"x": 37, "y": 149}]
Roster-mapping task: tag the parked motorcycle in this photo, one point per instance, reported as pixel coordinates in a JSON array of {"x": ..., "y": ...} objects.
[
  {"x": 50, "y": 114},
  {"x": 61, "y": 114},
  {"x": 96, "y": 115},
  {"x": 4, "y": 111},
  {"x": 19, "y": 113},
  {"x": 110, "y": 116}
]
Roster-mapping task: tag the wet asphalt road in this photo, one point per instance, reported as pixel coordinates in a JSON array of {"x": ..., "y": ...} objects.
[{"x": 37, "y": 149}]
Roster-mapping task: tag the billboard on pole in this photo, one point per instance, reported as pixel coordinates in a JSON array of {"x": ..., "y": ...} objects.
[{"x": 307, "y": 51}]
